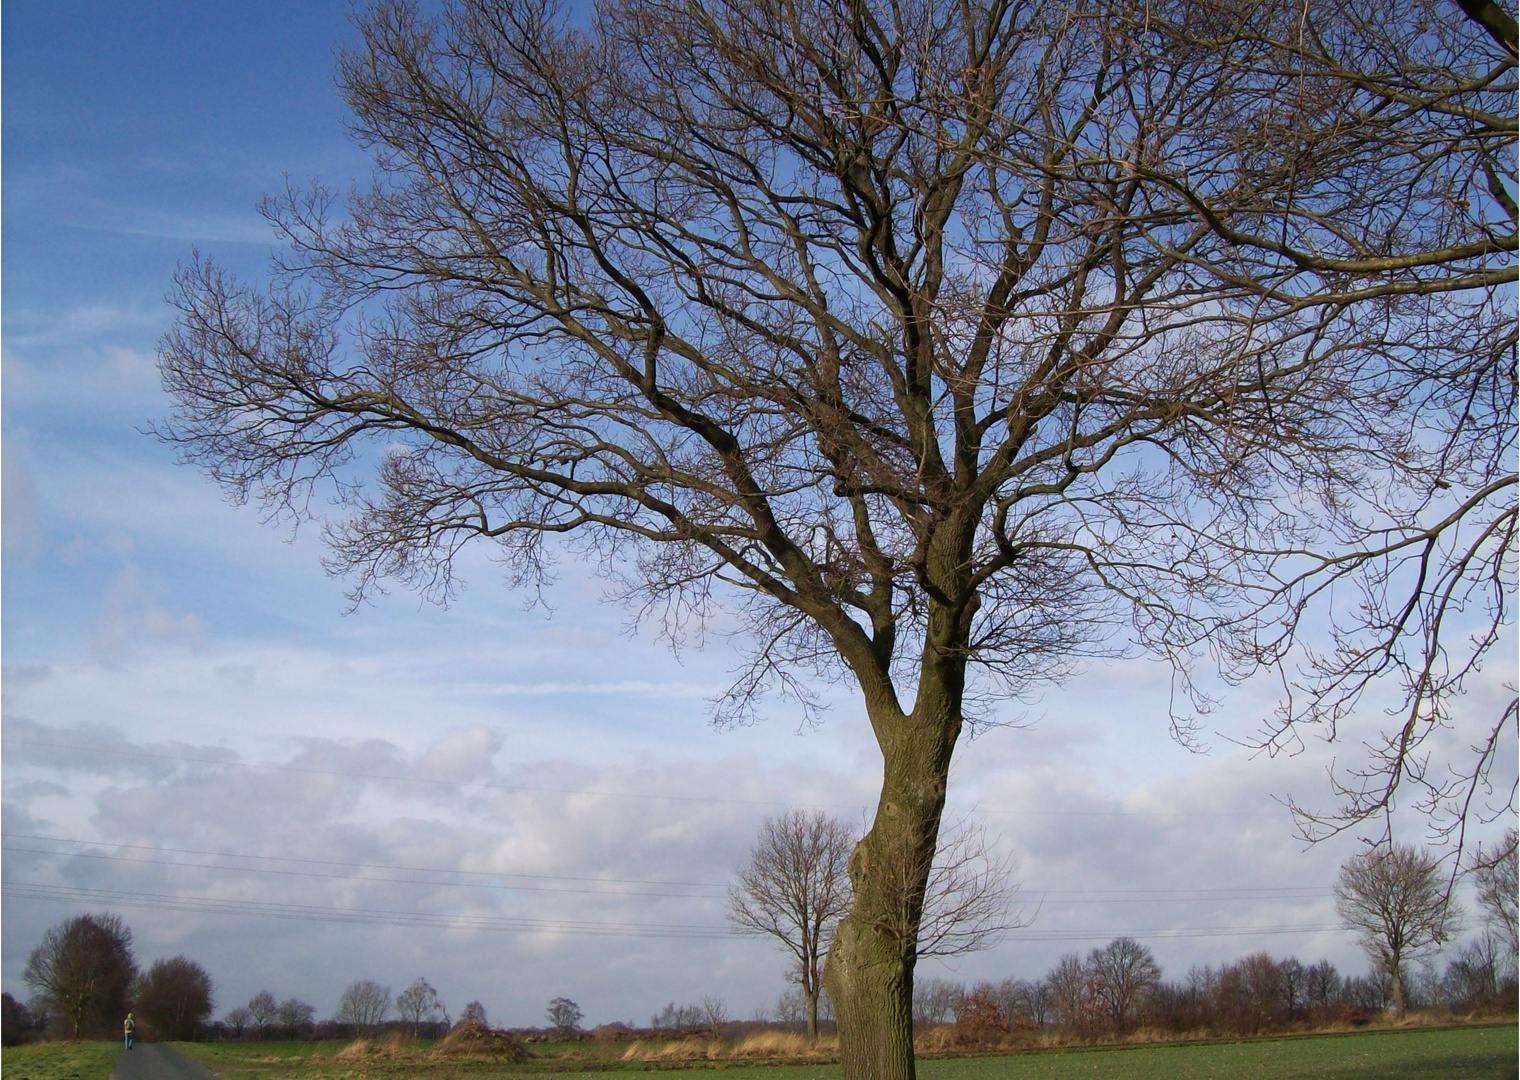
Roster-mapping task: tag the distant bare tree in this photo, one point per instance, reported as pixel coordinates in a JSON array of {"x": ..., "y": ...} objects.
[
  {"x": 364, "y": 1004},
  {"x": 1120, "y": 976},
  {"x": 238, "y": 1020},
  {"x": 15, "y": 1020},
  {"x": 474, "y": 1013},
  {"x": 935, "y": 1000},
  {"x": 1495, "y": 877},
  {"x": 1294, "y": 985},
  {"x": 1070, "y": 992},
  {"x": 791, "y": 1007},
  {"x": 675, "y": 1017},
  {"x": 1395, "y": 899},
  {"x": 968, "y": 901},
  {"x": 1474, "y": 975},
  {"x": 293, "y": 1015},
  {"x": 1322, "y": 984},
  {"x": 795, "y": 888},
  {"x": 418, "y": 1004},
  {"x": 84, "y": 970},
  {"x": 564, "y": 1014},
  {"x": 1250, "y": 993},
  {"x": 714, "y": 1015},
  {"x": 175, "y": 996},
  {"x": 1032, "y": 1001},
  {"x": 264, "y": 1011}
]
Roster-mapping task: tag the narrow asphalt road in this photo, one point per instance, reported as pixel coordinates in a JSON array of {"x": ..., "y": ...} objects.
[{"x": 155, "y": 1061}]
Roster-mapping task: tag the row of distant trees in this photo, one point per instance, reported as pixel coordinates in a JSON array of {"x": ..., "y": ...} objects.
[
  {"x": 364, "y": 1006},
  {"x": 1119, "y": 988},
  {"x": 795, "y": 888},
  {"x": 85, "y": 979}
]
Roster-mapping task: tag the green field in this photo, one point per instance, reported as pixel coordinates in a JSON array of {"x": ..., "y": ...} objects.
[
  {"x": 1450, "y": 1054},
  {"x": 1486, "y": 1053},
  {"x": 59, "y": 1061}
]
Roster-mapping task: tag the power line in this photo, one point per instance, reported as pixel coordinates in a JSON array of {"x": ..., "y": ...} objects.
[
  {"x": 654, "y": 796},
  {"x": 574, "y": 928},
  {"x": 382, "y": 916},
  {"x": 1175, "y": 932}
]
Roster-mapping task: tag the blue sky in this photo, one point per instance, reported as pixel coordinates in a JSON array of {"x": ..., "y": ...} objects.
[{"x": 182, "y": 679}]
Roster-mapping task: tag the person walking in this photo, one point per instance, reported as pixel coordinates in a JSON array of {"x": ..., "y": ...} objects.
[{"x": 127, "y": 1030}]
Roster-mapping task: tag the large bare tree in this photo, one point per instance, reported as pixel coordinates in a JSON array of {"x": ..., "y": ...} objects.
[
  {"x": 83, "y": 968},
  {"x": 1395, "y": 899},
  {"x": 875, "y": 323}
]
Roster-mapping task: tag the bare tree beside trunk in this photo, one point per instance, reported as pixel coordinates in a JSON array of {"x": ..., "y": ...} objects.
[{"x": 795, "y": 888}]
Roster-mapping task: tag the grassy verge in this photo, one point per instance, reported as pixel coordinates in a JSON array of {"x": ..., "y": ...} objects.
[
  {"x": 59, "y": 1060},
  {"x": 1470, "y": 1053}
]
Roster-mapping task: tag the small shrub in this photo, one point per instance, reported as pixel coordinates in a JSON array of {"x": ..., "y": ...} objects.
[{"x": 979, "y": 1020}]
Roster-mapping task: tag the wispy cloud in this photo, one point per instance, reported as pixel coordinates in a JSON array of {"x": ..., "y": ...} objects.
[
  {"x": 132, "y": 616},
  {"x": 625, "y": 686}
]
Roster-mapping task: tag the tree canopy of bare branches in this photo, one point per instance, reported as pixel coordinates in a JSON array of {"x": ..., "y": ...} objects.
[
  {"x": 1498, "y": 889},
  {"x": 419, "y": 1004},
  {"x": 364, "y": 1004},
  {"x": 1371, "y": 181},
  {"x": 1396, "y": 900},
  {"x": 947, "y": 345}
]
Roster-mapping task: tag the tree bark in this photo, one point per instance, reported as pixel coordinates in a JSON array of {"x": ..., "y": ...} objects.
[
  {"x": 812, "y": 1014},
  {"x": 869, "y": 969}
]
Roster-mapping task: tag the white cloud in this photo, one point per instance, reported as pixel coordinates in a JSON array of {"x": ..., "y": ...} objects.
[
  {"x": 559, "y": 868},
  {"x": 132, "y": 616}
]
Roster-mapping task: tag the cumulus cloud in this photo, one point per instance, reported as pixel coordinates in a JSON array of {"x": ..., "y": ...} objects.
[
  {"x": 513, "y": 880},
  {"x": 549, "y": 867}
]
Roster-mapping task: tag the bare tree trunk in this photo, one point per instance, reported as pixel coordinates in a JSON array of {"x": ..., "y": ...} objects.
[
  {"x": 812, "y": 1013},
  {"x": 1395, "y": 970},
  {"x": 869, "y": 970}
]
